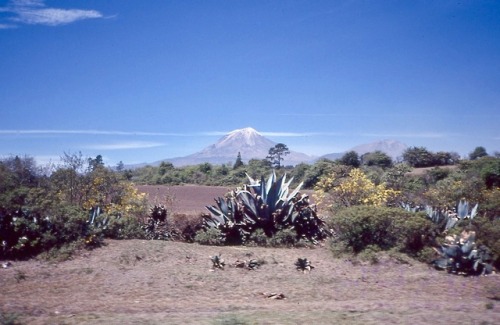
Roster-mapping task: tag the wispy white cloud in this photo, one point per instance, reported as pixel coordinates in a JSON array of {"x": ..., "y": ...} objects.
[
  {"x": 125, "y": 145},
  {"x": 278, "y": 134},
  {"x": 85, "y": 132},
  {"x": 7, "y": 26},
  {"x": 408, "y": 135},
  {"x": 35, "y": 12}
]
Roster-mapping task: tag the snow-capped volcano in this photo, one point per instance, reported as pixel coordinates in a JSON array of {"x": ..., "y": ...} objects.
[{"x": 248, "y": 142}]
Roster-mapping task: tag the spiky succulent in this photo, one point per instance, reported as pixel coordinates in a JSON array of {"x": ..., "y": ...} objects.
[
  {"x": 304, "y": 265},
  {"x": 460, "y": 254},
  {"x": 217, "y": 261},
  {"x": 267, "y": 205},
  {"x": 448, "y": 219}
]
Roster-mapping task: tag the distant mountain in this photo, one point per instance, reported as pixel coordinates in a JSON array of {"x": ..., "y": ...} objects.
[
  {"x": 392, "y": 148},
  {"x": 248, "y": 142}
]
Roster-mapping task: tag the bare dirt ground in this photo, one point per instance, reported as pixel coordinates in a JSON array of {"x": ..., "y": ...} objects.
[{"x": 159, "y": 282}]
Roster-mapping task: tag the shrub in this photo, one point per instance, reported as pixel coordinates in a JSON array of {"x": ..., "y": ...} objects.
[
  {"x": 488, "y": 234},
  {"x": 126, "y": 227},
  {"x": 282, "y": 238},
  {"x": 210, "y": 236},
  {"x": 362, "y": 227}
]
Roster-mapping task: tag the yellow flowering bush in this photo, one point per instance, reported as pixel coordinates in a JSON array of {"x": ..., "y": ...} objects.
[{"x": 355, "y": 188}]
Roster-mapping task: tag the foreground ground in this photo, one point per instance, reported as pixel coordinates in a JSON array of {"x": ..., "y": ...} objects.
[{"x": 155, "y": 282}]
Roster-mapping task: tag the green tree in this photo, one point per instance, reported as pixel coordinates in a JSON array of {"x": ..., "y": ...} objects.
[
  {"x": 238, "y": 162},
  {"x": 351, "y": 158},
  {"x": 95, "y": 163},
  {"x": 276, "y": 154},
  {"x": 478, "y": 153},
  {"x": 377, "y": 158},
  {"x": 443, "y": 158},
  {"x": 317, "y": 170},
  {"x": 120, "y": 166},
  {"x": 418, "y": 157}
]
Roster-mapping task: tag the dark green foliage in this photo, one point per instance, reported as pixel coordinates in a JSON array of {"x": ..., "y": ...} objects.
[
  {"x": 421, "y": 157},
  {"x": 239, "y": 162},
  {"x": 276, "y": 154},
  {"x": 436, "y": 174},
  {"x": 478, "y": 153},
  {"x": 359, "y": 227},
  {"x": 376, "y": 158},
  {"x": 317, "y": 170},
  {"x": 488, "y": 234},
  {"x": 418, "y": 157},
  {"x": 350, "y": 158},
  {"x": 210, "y": 236},
  {"x": 282, "y": 238}
]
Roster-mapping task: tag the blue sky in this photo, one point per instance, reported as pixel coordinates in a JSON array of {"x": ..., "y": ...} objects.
[{"x": 139, "y": 81}]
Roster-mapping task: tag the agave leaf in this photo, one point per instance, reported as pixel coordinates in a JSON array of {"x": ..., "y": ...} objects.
[
  {"x": 441, "y": 263},
  {"x": 249, "y": 203},
  {"x": 474, "y": 211},
  {"x": 450, "y": 223},
  {"x": 463, "y": 209},
  {"x": 451, "y": 251},
  {"x": 467, "y": 247},
  {"x": 297, "y": 189},
  {"x": 252, "y": 181}
]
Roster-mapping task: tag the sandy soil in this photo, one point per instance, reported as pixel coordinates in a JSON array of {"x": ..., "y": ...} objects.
[{"x": 158, "y": 282}]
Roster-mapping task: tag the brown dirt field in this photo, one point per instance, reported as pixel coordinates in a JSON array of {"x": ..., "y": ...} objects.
[
  {"x": 160, "y": 282},
  {"x": 187, "y": 199}
]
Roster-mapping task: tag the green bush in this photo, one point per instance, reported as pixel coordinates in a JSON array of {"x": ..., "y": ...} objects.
[
  {"x": 126, "y": 227},
  {"x": 282, "y": 238},
  {"x": 488, "y": 234},
  {"x": 360, "y": 227},
  {"x": 210, "y": 236}
]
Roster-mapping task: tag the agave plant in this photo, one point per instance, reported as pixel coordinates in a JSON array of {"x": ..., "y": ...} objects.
[
  {"x": 156, "y": 226},
  {"x": 217, "y": 261},
  {"x": 229, "y": 218},
  {"x": 461, "y": 255},
  {"x": 267, "y": 205},
  {"x": 448, "y": 218},
  {"x": 304, "y": 265}
]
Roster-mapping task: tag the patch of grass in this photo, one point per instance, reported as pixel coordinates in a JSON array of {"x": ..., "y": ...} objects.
[
  {"x": 20, "y": 276},
  {"x": 232, "y": 319},
  {"x": 7, "y": 318}
]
